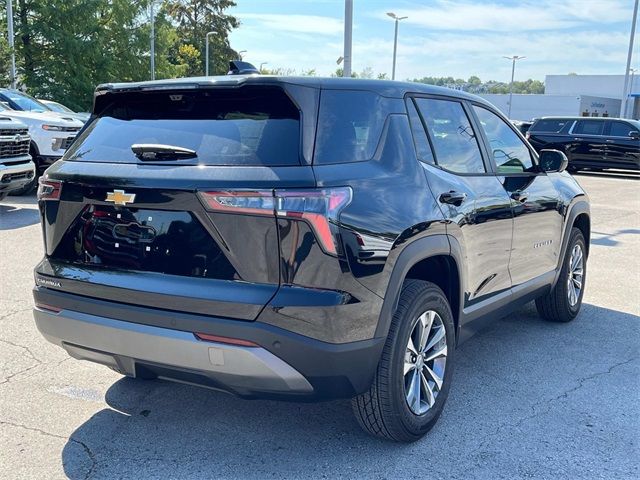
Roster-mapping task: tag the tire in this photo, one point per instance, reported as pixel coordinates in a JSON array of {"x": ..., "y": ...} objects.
[
  {"x": 384, "y": 410},
  {"x": 560, "y": 304}
]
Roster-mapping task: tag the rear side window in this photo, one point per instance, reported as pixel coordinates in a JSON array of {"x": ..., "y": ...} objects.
[
  {"x": 621, "y": 129},
  {"x": 549, "y": 125},
  {"x": 589, "y": 127},
  {"x": 423, "y": 148},
  {"x": 454, "y": 141},
  {"x": 245, "y": 126},
  {"x": 350, "y": 123}
]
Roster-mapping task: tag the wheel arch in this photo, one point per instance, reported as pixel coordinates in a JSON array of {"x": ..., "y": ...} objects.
[
  {"x": 579, "y": 216},
  {"x": 430, "y": 259}
]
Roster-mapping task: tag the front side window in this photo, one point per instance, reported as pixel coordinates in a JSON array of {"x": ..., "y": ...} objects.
[
  {"x": 589, "y": 127},
  {"x": 510, "y": 153},
  {"x": 621, "y": 129},
  {"x": 454, "y": 141}
]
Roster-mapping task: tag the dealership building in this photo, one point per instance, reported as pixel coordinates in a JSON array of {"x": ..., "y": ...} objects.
[{"x": 585, "y": 95}]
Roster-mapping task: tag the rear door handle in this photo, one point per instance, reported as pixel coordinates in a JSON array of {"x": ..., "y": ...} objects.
[
  {"x": 519, "y": 196},
  {"x": 453, "y": 198}
]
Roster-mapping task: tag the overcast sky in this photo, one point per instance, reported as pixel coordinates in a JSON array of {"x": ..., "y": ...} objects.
[{"x": 442, "y": 37}]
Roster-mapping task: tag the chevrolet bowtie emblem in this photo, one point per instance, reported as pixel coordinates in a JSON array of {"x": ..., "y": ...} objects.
[{"x": 120, "y": 197}]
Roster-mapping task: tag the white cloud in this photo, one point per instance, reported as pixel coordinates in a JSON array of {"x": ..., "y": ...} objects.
[
  {"x": 307, "y": 24},
  {"x": 520, "y": 16}
]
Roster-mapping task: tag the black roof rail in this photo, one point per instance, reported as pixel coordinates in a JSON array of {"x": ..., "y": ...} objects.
[{"x": 238, "y": 67}]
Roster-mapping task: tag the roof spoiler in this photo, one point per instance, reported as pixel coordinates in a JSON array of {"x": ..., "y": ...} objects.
[{"x": 238, "y": 67}]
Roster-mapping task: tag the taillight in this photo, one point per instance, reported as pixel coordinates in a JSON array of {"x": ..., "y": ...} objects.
[
  {"x": 320, "y": 208},
  {"x": 259, "y": 202},
  {"x": 49, "y": 189}
]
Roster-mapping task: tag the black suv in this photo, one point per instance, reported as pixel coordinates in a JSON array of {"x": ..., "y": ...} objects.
[
  {"x": 302, "y": 238},
  {"x": 596, "y": 143}
]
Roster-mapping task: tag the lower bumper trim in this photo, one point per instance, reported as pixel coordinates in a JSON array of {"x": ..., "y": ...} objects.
[{"x": 132, "y": 348}]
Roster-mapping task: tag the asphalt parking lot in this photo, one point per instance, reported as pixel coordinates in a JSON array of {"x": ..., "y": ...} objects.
[{"x": 530, "y": 399}]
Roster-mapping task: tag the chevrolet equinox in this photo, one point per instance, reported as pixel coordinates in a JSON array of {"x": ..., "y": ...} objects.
[{"x": 302, "y": 238}]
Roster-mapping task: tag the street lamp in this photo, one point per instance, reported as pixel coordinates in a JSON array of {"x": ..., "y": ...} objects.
[
  {"x": 513, "y": 59},
  {"x": 240, "y": 54},
  {"x": 395, "y": 42},
  {"x": 206, "y": 53},
  {"x": 263, "y": 64}
]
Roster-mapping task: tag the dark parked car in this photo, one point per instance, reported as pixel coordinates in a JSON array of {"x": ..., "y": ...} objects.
[
  {"x": 591, "y": 142},
  {"x": 302, "y": 238},
  {"x": 522, "y": 126}
]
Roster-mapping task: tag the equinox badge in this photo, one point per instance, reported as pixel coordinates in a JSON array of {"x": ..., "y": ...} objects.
[{"x": 120, "y": 197}]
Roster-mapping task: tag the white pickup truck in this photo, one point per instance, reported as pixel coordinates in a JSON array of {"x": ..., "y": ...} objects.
[
  {"x": 16, "y": 167},
  {"x": 51, "y": 133}
]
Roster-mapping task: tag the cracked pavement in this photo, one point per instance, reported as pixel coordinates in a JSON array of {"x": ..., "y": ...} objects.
[{"x": 529, "y": 400}]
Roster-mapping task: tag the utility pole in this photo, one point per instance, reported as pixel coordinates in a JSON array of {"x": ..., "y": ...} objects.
[
  {"x": 153, "y": 41},
  {"x": 348, "y": 36},
  {"x": 12, "y": 66},
  {"x": 206, "y": 53},
  {"x": 395, "y": 42},
  {"x": 627, "y": 87},
  {"x": 513, "y": 72}
]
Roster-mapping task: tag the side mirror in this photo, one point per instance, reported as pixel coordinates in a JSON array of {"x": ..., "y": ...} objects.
[
  {"x": 634, "y": 134},
  {"x": 553, "y": 161}
]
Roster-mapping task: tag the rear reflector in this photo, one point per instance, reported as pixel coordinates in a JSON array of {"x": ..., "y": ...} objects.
[
  {"x": 320, "y": 208},
  {"x": 49, "y": 308},
  {"x": 49, "y": 189},
  {"x": 231, "y": 341}
]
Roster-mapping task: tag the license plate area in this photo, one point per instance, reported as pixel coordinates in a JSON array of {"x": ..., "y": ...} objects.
[{"x": 163, "y": 241}]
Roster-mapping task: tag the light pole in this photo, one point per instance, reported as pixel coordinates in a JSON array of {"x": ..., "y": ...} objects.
[
  {"x": 627, "y": 88},
  {"x": 153, "y": 41},
  {"x": 263, "y": 64},
  {"x": 12, "y": 66},
  {"x": 395, "y": 42},
  {"x": 206, "y": 53},
  {"x": 240, "y": 54},
  {"x": 513, "y": 71},
  {"x": 348, "y": 37}
]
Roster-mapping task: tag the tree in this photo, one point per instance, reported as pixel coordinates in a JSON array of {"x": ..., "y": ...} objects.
[{"x": 195, "y": 18}]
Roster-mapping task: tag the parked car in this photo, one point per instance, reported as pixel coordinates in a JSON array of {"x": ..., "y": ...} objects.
[
  {"x": 302, "y": 238},
  {"x": 51, "y": 134},
  {"x": 521, "y": 125},
  {"x": 596, "y": 143},
  {"x": 60, "y": 108},
  {"x": 16, "y": 167}
]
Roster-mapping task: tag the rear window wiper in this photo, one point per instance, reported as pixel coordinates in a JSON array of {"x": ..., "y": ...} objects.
[{"x": 158, "y": 151}]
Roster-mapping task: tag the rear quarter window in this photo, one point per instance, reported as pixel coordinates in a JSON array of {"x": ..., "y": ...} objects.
[
  {"x": 350, "y": 123},
  {"x": 549, "y": 125}
]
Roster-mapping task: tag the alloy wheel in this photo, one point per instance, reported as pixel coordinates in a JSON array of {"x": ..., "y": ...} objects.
[
  {"x": 576, "y": 272},
  {"x": 424, "y": 362}
]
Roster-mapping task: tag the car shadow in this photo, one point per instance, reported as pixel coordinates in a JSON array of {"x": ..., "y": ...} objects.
[
  {"x": 621, "y": 174},
  {"x": 161, "y": 429},
  {"x": 15, "y": 216},
  {"x": 611, "y": 239}
]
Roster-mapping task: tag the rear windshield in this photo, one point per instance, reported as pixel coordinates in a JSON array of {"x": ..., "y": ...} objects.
[
  {"x": 247, "y": 126},
  {"x": 550, "y": 125}
]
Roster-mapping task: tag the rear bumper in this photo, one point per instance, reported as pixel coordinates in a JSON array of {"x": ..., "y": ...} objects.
[{"x": 284, "y": 365}]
